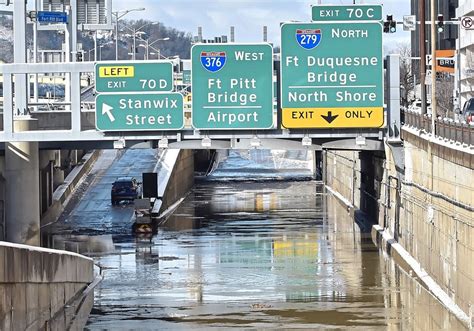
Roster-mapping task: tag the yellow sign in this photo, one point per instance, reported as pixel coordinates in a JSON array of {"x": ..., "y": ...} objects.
[
  {"x": 116, "y": 71},
  {"x": 357, "y": 117}
]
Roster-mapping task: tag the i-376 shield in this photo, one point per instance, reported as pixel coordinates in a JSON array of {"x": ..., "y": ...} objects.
[{"x": 213, "y": 61}]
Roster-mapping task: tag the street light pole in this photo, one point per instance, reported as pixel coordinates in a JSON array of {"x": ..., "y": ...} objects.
[
  {"x": 135, "y": 31},
  {"x": 95, "y": 46},
  {"x": 118, "y": 15},
  {"x": 134, "y": 51},
  {"x": 116, "y": 35},
  {"x": 148, "y": 45}
]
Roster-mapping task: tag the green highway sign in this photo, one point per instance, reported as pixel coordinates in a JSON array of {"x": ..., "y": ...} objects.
[
  {"x": 332, "y": 75},
  {"x": 139, "y": 111},
  {"x": 148, "y": 76},
  {"x": 186, "y": 76},
  {"x": 232, "y": 86},
  {"x": 331, "y": 13}
]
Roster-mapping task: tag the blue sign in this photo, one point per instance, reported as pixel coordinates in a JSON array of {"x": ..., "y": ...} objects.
[
  {"x": 213, "y": 61},
  {"x": 51, "y": 17},
  {"x": 308, "y": 38}
]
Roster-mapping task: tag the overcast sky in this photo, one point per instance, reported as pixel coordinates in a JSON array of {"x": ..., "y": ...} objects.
[{"x": 248, "y": 16}]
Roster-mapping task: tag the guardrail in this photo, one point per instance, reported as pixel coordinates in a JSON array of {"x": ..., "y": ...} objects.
[{"x": 449, "y": 129}]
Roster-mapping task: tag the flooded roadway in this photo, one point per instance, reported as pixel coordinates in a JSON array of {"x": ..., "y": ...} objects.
[{"x": 257, "y": 255}]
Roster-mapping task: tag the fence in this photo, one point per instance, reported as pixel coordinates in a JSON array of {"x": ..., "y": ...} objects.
[{"x": 449, "y": 129}]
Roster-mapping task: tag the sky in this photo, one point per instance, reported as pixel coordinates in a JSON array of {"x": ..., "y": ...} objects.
[{"x": 247, "y": 16}]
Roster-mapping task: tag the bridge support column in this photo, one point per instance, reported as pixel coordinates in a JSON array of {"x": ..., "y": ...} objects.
[{"x": 22, "y": 209}]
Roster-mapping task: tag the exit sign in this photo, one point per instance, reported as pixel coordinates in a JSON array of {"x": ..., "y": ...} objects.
[
  {"x": 139, "y": 111},
  {"x": 332, "y": 75},
  {"x": 149, "y": 76},
  {"x": 332, "y": 13},
  {"x": 232, "y": 86}
]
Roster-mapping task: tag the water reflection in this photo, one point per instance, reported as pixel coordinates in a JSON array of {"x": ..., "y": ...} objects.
[
  {"x": 82, "y": 244},
  {"x": 259, "y": 255}
]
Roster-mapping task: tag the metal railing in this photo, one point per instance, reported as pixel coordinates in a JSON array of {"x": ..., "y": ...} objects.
[{"x": 448, "y": 129}]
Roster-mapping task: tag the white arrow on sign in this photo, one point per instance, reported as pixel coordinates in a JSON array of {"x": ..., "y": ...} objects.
[{"x": 106, "y": 109}]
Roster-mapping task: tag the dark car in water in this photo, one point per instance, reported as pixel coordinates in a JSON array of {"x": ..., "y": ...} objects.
[{"x": 124, "y": 188}]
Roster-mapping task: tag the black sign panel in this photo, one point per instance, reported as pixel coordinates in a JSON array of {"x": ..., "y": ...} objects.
[{"x": 150, "y": 185}]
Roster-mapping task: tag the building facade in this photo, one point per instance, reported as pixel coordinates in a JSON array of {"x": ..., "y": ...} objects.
[{"x": 465, "y": 78}]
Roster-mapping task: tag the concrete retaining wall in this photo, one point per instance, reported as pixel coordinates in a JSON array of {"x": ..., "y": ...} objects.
[
  {"x": 63, "y": 192},
  {"x": 181, "y": 179},
  {"x": 436, "y": 222},
  {"x": 428, "y": 212},
  {"x": 37, "y": 283},
  {"x": 175, "y": 179}
]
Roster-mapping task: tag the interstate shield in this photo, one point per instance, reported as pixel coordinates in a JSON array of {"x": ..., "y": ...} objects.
[
  {"x": 308, "y": 38},
  {"x": 213, "y": 61}
]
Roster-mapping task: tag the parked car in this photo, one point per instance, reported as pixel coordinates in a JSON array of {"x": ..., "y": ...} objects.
[
  {"x": 416, "y": 107},
  {"x": 124, "y": 188},
  {"x": 468, "y": 111}
]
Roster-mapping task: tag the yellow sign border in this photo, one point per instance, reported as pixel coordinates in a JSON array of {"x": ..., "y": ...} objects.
[{"x": 307, "y": 118}]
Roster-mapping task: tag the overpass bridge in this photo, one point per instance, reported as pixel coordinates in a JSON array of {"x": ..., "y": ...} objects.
[
  {"x": 26, "y": 135},
  {"x": 77, "y": 128}
]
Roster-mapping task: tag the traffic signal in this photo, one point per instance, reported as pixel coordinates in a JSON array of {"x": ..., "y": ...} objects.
[
  {"x": 389, "y": 26},
  {"x": 393, "y": 26},
  {"x": 79, "y": 57},
  {"x": 440, "y": 23},
  {"x": 386, "y": 27}
]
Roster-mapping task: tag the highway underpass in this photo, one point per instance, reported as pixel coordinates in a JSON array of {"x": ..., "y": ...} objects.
[{"x": 257, "y": 243}]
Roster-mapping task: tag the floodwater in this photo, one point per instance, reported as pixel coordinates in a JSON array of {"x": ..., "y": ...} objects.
[
  {"x": 274, "y": 255},
  {"x": 251, "y": 253}
]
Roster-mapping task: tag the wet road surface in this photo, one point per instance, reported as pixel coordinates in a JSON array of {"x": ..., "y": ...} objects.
[
  {"x": 254, "y": 255},
  {"x": 90, "y": 211}
]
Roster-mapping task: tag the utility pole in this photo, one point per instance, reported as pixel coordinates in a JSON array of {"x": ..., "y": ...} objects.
[
  {"x": 433, "y": 66},
  {"x": 422, "y": 43}
]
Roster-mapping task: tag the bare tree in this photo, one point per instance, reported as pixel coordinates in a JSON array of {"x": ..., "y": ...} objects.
[
  {"x": 407, "y": 73},
  {"x": 444, "y": 94}
]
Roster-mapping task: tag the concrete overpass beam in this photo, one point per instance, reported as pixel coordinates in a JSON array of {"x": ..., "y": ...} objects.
[{"x": 22, "y": 209}]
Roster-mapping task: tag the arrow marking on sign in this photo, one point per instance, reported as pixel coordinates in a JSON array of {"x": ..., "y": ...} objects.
[
  {"x": 106, "y": 109},
  {"x": 329, "y": 118}
]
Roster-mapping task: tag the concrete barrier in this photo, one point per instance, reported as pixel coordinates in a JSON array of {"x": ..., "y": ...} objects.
[
  {"x": 64, "y": 191},
  {"x": 43, "y": 288},
  {"x": 175, "y": 178}
]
